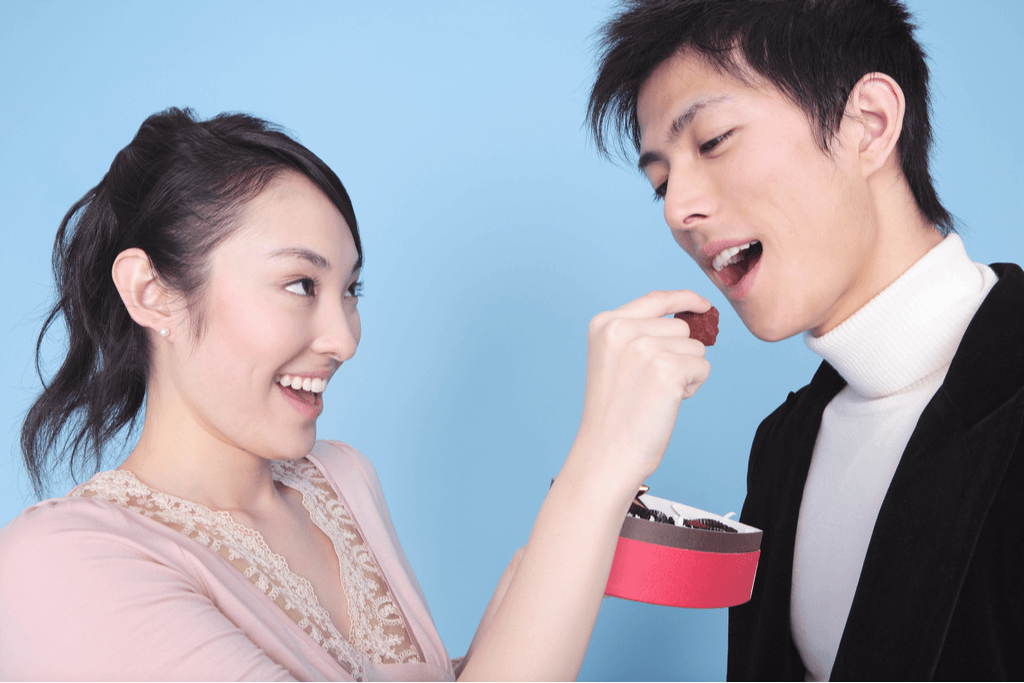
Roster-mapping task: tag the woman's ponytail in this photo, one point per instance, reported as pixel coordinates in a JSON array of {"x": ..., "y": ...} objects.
[{"x": 101, "y": 384}]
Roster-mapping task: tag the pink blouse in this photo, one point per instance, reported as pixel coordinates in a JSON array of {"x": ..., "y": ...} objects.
[{"x": 117, "y": 581}]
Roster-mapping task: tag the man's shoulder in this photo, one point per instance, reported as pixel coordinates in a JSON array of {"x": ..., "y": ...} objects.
[
  {"x": 1006, "y": 268},
  {"x": 988, "y": 368},
  {"x": 801, "y": 412},
  {"x": 1006, "y": 295},
  {"x": 794, "y": 401}
]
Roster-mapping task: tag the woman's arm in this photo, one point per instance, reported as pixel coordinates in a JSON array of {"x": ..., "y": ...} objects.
[
  {"x": 639, "y": 368},
  {"x": 492, "y": 609}
]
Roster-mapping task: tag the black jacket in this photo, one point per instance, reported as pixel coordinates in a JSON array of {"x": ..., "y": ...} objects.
[{"x": 941, "y": 592}]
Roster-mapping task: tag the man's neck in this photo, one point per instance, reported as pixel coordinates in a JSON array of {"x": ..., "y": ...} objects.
[{"x": 902, "y": 237}]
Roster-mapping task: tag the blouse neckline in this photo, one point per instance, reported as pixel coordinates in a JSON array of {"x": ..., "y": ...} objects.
[{"x": 378, "y": 631}]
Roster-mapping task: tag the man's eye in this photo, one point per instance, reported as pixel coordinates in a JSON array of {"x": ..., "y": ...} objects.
[
  {"x": 711, "y": 144},
  {"x": 303, "y": 287},
  {"x": 660, "y": 190}
]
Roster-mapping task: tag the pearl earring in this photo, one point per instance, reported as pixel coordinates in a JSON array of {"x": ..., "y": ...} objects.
[{"x": 164, "y": 331}]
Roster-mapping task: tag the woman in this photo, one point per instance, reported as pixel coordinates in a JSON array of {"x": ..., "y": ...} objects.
[{"x": 213, "y": 275}]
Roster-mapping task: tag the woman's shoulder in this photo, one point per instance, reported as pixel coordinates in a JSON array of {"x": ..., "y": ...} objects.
[
  {"x": 79, "y": 535},
  {"x": 57, "y": 549},
  {"x": 120, "y": 595},
  {"x": 69, "y": 537},
  {"x": 54, "y": 524}
]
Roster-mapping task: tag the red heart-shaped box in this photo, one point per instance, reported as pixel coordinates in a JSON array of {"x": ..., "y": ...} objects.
[{"x": 678, "y": 566}]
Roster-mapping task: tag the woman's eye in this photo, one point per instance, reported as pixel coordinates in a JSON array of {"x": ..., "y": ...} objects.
[
  {"x": 356, "y": 288},
  {"x": 711, "y": 144},
  {"x": 303, "y": 287}
]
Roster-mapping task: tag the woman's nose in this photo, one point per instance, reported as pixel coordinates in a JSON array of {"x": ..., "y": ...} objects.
[{"x": 339, "y": 332}]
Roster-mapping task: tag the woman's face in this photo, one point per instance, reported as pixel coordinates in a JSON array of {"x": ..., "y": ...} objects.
[{"x": 279, "y": 307}]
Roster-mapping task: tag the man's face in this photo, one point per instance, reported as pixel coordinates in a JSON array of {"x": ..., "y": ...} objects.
[{"x": 784, "y": 230}]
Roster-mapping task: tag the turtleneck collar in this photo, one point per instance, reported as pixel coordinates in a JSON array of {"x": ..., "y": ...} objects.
[{"x": 912, "y": 328}]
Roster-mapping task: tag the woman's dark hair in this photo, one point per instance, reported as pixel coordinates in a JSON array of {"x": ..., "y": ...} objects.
[
  {"x": 814, "y": 51},
  {"x": 175, "y": 192}
]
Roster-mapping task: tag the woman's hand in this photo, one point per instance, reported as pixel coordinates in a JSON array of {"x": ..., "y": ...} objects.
[{"x": 640, "y": 366}]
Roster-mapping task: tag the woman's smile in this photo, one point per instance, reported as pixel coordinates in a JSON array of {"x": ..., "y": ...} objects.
[
  {"x": 307, "y": 402},
  {"x": 304, "y": 393}
]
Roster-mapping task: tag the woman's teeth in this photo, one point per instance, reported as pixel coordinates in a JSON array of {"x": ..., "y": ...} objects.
[
  {"x": 729, "y": 256},
  {"x": 312, "y": 384}
]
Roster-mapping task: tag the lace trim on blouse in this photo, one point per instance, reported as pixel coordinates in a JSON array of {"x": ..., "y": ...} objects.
[{"x": 377, "y": 629}]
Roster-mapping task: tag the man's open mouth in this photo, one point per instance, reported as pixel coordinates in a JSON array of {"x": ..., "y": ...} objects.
[{"x": 735, "y": 262}]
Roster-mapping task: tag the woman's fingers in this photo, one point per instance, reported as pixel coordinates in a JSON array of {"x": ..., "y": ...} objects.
[
  {"x": 648, "y": 313},
  {"x": 630, "y": 328},
  {"x": 651, "y": 367},
  {"x": 661, "y": 303},
  {"x": 640, "y": 366}
]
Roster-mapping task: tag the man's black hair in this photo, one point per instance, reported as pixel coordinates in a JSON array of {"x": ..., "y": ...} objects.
[{"x": 813, "y": 51}]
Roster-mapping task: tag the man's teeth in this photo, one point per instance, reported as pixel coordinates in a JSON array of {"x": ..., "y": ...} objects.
[
  {"x": 729, "y": 256},
  {"x": 313, "y": 384}
]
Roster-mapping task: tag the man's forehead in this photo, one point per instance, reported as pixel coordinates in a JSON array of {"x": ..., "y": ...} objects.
[{"x": 684, "y": 85}]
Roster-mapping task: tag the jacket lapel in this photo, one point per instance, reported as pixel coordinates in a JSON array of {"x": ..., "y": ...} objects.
[
  {"x": 780, "y": 458},
  {"x": 933, "y": 512}
]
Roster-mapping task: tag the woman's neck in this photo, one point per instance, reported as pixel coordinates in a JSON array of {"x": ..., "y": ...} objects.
[{"x": 178, "y": 455}]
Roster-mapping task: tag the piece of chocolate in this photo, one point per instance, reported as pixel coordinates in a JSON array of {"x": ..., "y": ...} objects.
[
  {"x": 703, "y": 326},
  {"x": 709, "y": 524},
  {"x": 641, "y": 511}
]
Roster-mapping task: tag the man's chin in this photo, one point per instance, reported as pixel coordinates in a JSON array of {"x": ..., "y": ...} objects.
[{"x": 767, "y": 326}]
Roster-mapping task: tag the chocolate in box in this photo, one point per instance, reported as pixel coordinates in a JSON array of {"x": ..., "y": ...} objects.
[{"x": 665, "y": 564}]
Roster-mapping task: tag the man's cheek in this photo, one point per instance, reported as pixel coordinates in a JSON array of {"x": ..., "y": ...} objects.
[{"x": 682, "y": 238}]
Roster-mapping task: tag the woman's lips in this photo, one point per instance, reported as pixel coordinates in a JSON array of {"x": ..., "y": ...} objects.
[{"x": 308, "y": 404}]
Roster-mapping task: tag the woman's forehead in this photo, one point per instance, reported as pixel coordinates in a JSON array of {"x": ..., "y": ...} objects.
[{"x": 292, "y": 218}]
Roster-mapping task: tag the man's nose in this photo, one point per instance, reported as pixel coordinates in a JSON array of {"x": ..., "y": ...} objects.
[{"x": 689, "y": 200}]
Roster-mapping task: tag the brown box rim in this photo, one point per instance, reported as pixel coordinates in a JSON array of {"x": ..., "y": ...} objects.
[{"x": 685, "y": 538}]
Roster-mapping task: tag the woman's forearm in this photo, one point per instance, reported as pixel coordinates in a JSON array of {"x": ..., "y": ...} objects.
[{"x": 542, "y": 626}]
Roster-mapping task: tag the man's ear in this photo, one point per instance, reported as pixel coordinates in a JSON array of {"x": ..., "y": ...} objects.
[
  {"x": 878, "y": 105},
  {"x": 146, "y": 298}
]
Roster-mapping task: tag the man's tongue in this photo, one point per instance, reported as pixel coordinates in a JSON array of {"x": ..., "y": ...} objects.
[
  {"x": 733, "y": 273},
  {"x": 304, "y": 396}
]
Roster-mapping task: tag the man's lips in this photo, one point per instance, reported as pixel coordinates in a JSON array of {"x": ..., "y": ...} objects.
[
  {"x": 712, "y": 249},
  {"x": 734, "y": 269},
  {"x": 732, "y": 275}
]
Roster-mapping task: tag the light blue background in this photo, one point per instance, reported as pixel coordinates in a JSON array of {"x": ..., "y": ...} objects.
[{"x": 492, "y": 230}]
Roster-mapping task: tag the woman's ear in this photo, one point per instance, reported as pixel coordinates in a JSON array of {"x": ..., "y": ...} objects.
[
  {"x": 146, "y": 298},
  {"x": 877, "y": 104}
]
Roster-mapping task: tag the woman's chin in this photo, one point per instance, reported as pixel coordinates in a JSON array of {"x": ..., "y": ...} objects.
[{"x": 294, "y": 448}]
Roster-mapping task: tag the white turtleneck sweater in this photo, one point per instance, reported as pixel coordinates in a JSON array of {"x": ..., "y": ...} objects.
[{"x": 894, "y": 354}]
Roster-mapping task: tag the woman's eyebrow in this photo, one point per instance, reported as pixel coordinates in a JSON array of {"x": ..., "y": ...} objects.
[{"x": 303, "y": 253}]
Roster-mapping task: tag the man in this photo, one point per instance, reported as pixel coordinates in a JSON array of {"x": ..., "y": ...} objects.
[{"x": 789, "y": 141}]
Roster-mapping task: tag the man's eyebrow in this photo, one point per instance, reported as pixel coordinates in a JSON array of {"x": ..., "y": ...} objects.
[
  {"x": 305, "y": 254},
  {"x": 681, "y": 123}
]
